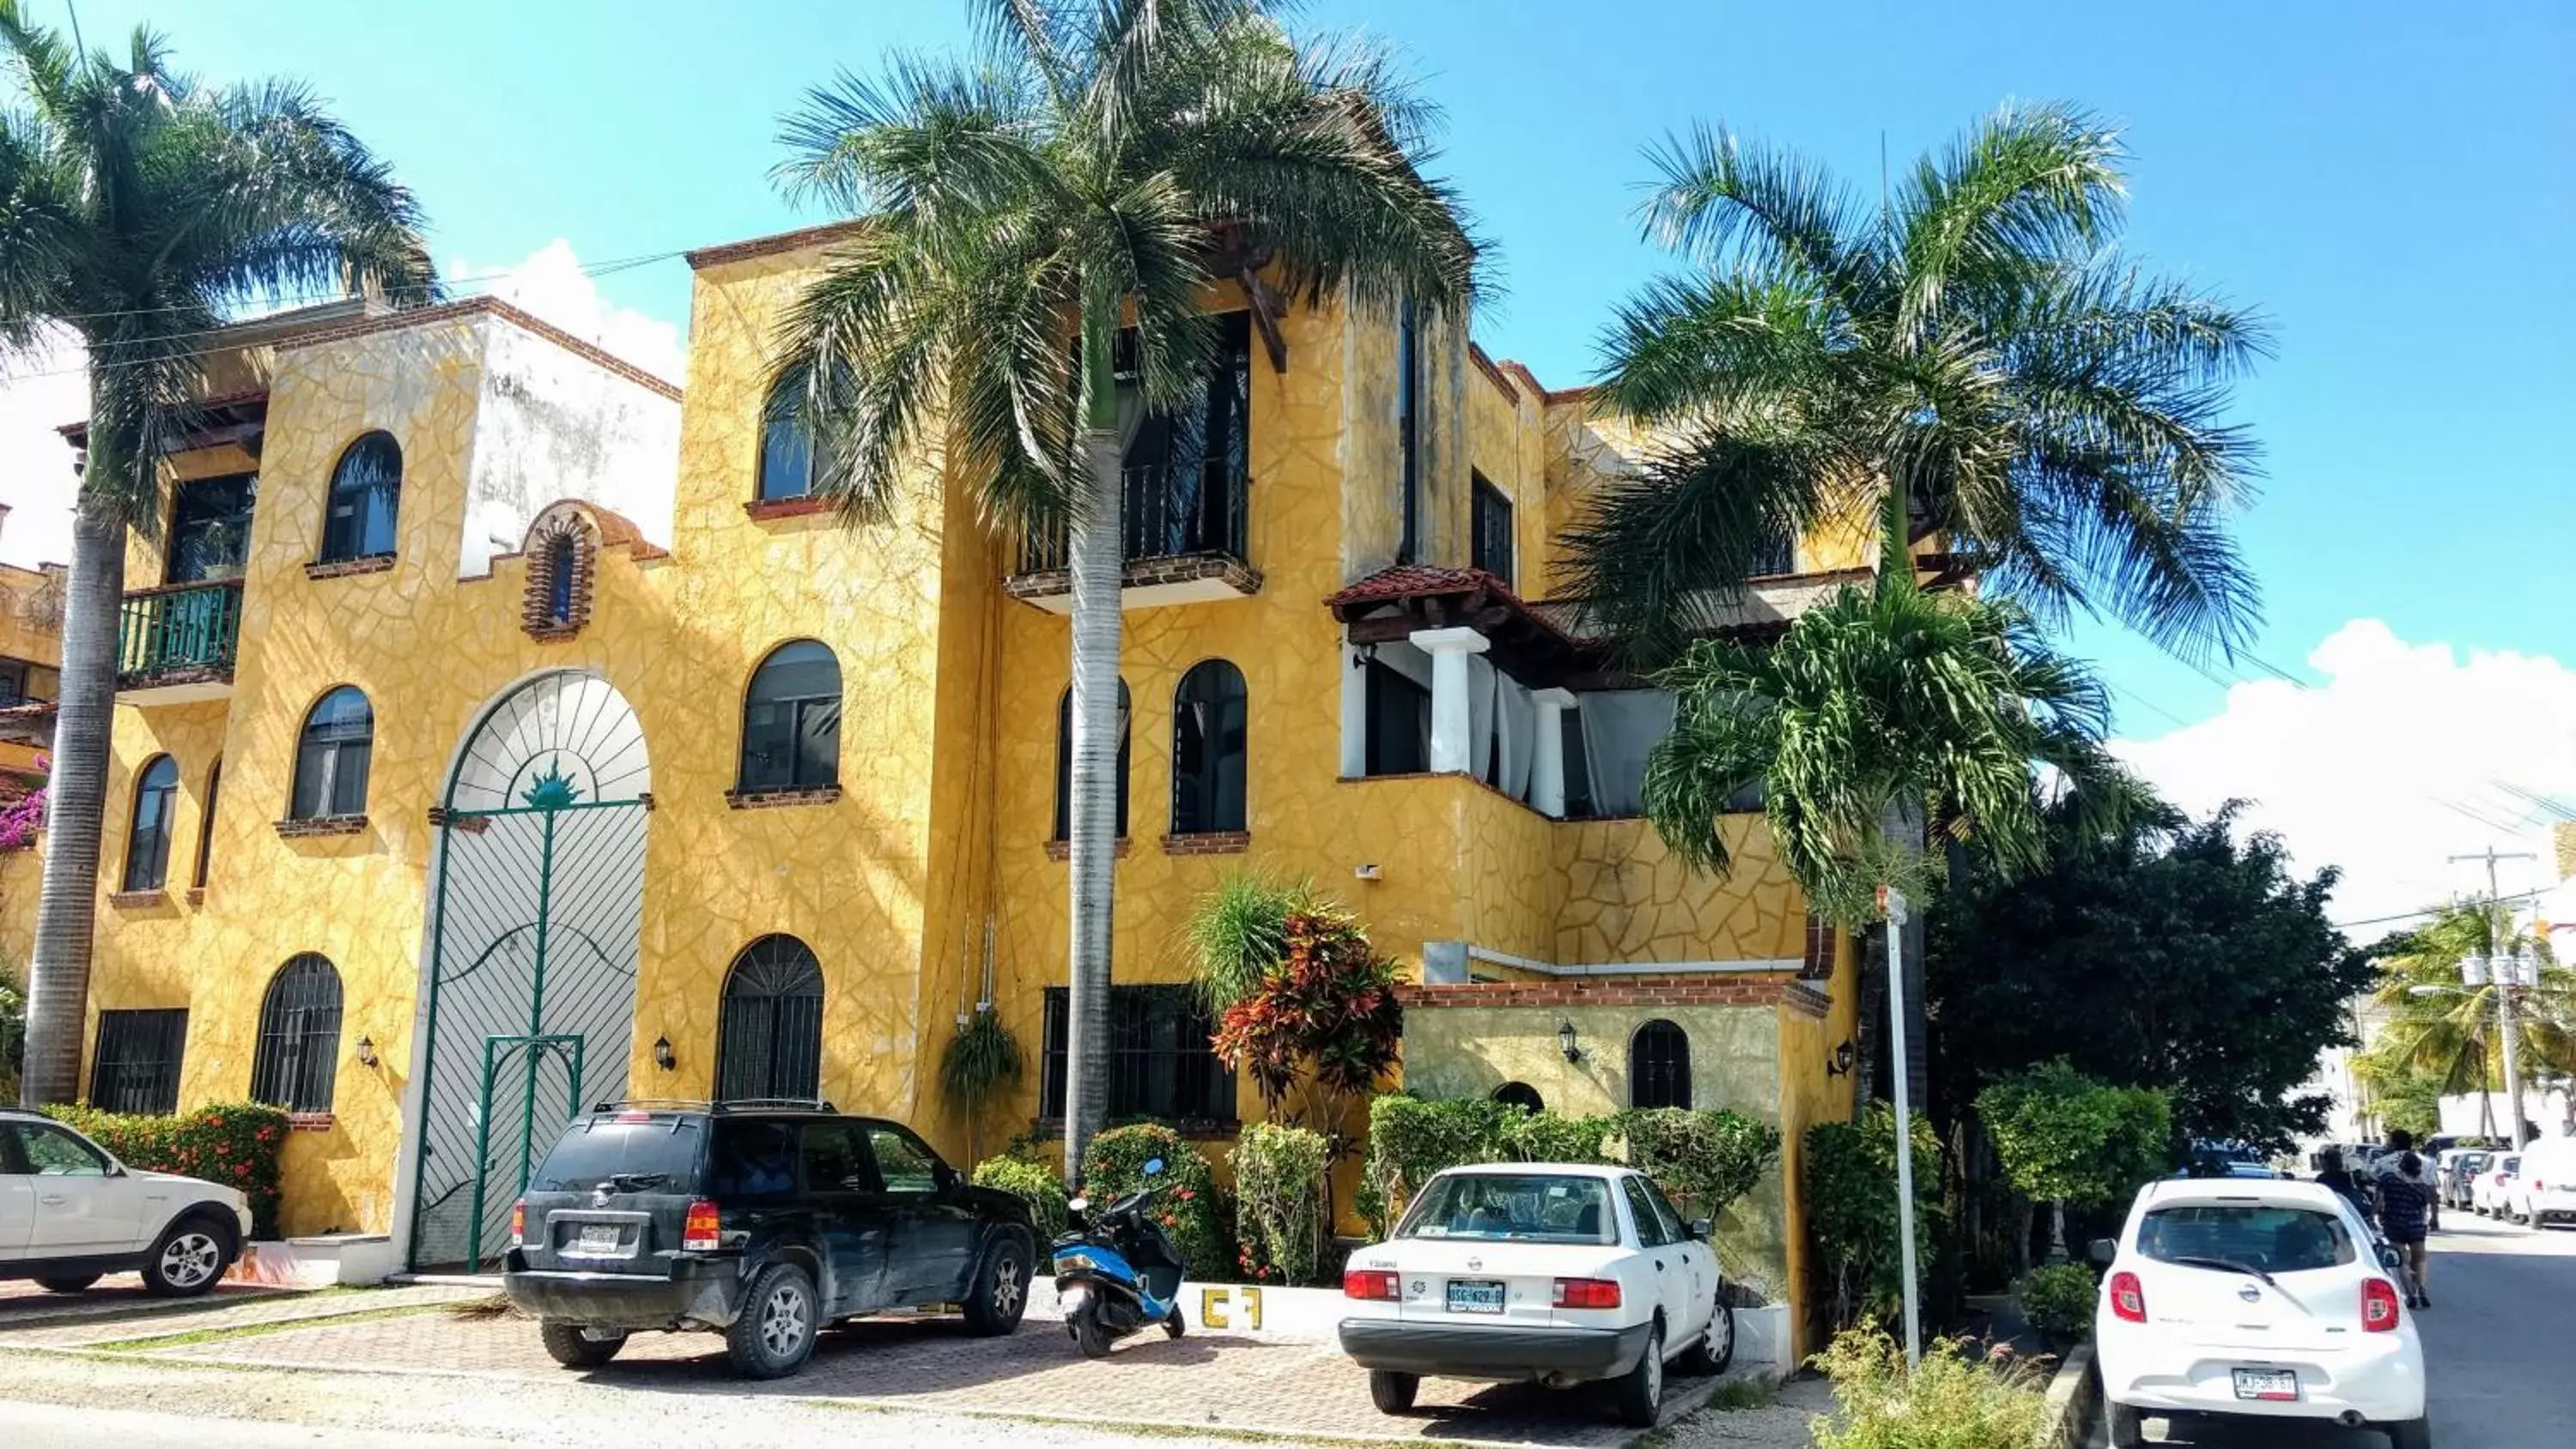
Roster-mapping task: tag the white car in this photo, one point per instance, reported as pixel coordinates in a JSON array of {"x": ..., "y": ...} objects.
[
  {"x": 1537, "y": 1272},
  {"x": 2542, "y": 1189},
  {"x": 70, "y": 1213},
  {"x": 2256, "y": 1300},
  {"x": 2488, "y": 1191}
]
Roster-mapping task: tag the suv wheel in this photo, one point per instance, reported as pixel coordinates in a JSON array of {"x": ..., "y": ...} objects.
[
  {"x": 71, "y": 1284},
  {"x": 187, "y": 1259},
  {"x": 1001, "y": 1290},
  {"x": 573, "y": 1346},
  {"x": 775, "y": 1333}
]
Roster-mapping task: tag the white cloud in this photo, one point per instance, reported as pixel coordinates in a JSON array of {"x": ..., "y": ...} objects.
[
  {"x": 551, "y": 286},
  {"x": 2371, "y": 770},
  {"x": 39, "y": 393}
]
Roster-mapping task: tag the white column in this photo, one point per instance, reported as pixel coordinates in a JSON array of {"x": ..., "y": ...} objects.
[
  {"x": 1452, "y": 712},
  {"x": 1547, "y": 752},
  {"x": 1354, "y": 712}
]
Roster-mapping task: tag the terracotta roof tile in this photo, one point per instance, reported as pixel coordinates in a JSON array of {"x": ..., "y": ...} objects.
[{"x": 1413, "y": 581}]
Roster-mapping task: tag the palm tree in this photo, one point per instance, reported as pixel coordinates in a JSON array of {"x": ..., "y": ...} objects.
[
  {"x": 137, "y": 208},
  {"x": 1102, "y": 163},
  {"x": 2440, "y": 1029},
  {"x": 1971, "y": 358}
]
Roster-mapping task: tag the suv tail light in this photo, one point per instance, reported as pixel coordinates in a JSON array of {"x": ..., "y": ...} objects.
[
  {"x": 2378, "y": 1305},
  {"x": 1586, "y": 1293},
  {"x": 519, "y": 1223},
  {"x": 1369, "y": 1283},
  {"x": 699, "y": 1233},
  {"x": 2128, "y": 1298}
]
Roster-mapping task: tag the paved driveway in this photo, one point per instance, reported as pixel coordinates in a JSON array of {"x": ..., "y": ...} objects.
[{"x": 2496, "y": 1344}]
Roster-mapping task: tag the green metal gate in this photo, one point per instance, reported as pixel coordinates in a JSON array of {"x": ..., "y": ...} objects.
[{"x": 536, "y": 919}]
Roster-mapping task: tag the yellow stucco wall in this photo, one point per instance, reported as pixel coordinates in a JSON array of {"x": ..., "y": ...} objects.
[{"x": 1810, "y": 1095}]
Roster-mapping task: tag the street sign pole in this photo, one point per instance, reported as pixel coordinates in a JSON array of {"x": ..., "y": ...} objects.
[{"x": 1891, "y": 902}]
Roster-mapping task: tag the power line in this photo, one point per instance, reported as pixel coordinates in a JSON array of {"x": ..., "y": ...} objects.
[{"x": 2427, "y": 911}]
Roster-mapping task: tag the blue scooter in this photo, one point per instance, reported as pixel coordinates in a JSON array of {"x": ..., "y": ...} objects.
[{"x": 1117, "y": 1271}]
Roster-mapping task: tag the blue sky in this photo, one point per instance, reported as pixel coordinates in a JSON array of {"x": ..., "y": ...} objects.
[{"x": 2389, "y": 183}]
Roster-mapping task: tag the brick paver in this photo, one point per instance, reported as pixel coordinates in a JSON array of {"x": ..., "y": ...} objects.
[
  {"x": 113, "y": 1319},
  {"x": 24, "y": 1305},
  {"x": 1201, "y": 1381}
]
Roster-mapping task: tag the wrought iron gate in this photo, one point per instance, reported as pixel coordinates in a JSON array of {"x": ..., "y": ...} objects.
[{"x": 536, "y": 918}]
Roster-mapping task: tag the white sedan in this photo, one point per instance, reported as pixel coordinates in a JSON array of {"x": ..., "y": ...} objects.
[
  {"x": 2256, "y": 1300},
  {"x": 1536, "y": 1272}
]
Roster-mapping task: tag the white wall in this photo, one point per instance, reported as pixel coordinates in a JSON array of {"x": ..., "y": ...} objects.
[{"x": 552, "y": 424}]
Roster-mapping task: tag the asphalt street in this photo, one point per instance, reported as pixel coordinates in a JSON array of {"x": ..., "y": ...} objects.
[{"x": 2496, "y": 1349}]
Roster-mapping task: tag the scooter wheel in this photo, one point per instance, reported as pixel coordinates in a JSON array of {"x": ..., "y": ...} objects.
[
  {"x": 1088, "y": 1334},
  {"x": 1172, "y": 1325}
]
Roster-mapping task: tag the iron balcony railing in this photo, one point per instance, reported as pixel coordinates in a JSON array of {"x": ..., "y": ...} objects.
[
  {"x": 178, "y": 629},
  {"x": 1164, "y": 512}
]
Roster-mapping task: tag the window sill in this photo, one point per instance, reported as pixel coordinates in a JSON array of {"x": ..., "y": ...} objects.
[
  {"x": 341, "y": 568},
  {"x": 764, "y": 509},
  {"x": 1208, "y": 842},
  {"x": 196, "y": 895},
  {"x": 775, "y": 798},
  {"x": 138, "y": 900},
  {"x": 321, "y": 825},
  {"x": 1063, "y": 849},
  {"x": 309, "y": 1121},
  {"x": 548, "y": 633}
]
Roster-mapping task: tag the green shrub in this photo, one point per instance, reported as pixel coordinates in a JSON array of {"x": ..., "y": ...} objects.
[
  {"x": 1702, "y": 1160},
  {"x": 1851, "y": 1212},
  {"x": 1033, "y": 1183},
  {"x": 1553, "y": 1137},
  {"x": 1959, "y": 1398},
  {"x": 1279, "y": 1203},
  {"x": 237, "y": 1144},
  {"x": 2057, "y": 1302},
  {"x": 1410, "y": 1139},
  {"x": 1187, "y": 1203}
]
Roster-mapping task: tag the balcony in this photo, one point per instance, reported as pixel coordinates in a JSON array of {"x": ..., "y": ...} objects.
[
  {"x": 175, "y": 643},
  {"x": 1183, "y": 534}
]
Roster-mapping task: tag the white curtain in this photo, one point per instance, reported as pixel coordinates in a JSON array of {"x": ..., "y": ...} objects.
[
  {"x": 1481, "y": 676},
  {"x": 1517, "y": 718}
]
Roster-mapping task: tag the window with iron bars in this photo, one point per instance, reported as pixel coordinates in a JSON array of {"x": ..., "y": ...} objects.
[
  {"x": 1160, "y": 1062},
  {"x": 298, "y": 1059},
  {"x": 136, "y": 1066}
]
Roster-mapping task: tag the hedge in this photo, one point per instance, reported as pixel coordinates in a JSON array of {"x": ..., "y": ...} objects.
[
  {"x": 1033, "y": 1183},
  {"x": 238, "y": 1144},
  {"x": 1187, "y": 1205},
  {"x": 1280, "y": 1203},
  {"x": 1852, "y": 1233}
]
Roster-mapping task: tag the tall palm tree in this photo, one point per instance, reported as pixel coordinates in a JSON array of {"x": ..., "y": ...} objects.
[
  {"x": 137, "y": 209},
  {"x": 1102, "y": 163},
  {"x": 2438, "y": 1027},
  {"x": 1972, "y": 356}
]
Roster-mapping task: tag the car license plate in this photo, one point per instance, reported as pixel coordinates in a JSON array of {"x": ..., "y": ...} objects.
[
  {"x": 1475, "y": 1297},
  {"x": 596, "y": 1240},
  {"x": 2266, "y": 1384}
]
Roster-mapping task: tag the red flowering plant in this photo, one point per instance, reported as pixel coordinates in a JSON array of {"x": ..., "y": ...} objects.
[
  {"x": 238, "y": 1144},
  {"x": 22, "y": 813},
  {"x": 1320, "y": 1021}
]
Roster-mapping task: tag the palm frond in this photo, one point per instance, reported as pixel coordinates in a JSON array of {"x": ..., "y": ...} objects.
[
  {"x": 1718, "y": 346},
  {"x": 1727, "y": 202},
  {"x": 2013, "y": 196}
]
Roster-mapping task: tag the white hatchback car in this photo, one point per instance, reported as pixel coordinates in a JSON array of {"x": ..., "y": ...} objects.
[
  {"x": 2491, "y": 1189},
  {"x": 2542, "y": 1189},
  {"x": 70, "y": 1213},
  {"x": 1536, "y": 1272},
  {"x": 2255, "y": 1300}
]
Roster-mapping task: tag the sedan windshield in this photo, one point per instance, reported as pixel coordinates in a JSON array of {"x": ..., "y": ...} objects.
[
  {"x": 2257, "y": 1238},
  {"x": 1515, "y": 1207}
]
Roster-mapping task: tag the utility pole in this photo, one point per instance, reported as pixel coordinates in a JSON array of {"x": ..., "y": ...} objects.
[
  {"x": 2505, "y": 971},
  {"x": 1891, "y": 901}
]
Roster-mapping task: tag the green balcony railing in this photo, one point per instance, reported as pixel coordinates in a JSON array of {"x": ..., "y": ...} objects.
[{"x": 178, "y": 631}]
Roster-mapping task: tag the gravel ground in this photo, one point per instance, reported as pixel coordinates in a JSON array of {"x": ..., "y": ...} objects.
[
  {"x": 41, "y": 1395},
  {"x": 1782, "y": 1424}
]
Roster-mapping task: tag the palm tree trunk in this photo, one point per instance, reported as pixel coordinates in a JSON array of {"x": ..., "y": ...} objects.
[
  {"x": 75, "y": 798},
  {"x": 1092, "y": 823}
]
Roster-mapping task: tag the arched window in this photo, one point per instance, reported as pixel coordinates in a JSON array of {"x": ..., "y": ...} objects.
[
  {"x": 791, "y": 720},
  {"x": 206, "y": 825},
  {"x": 562, "y": 562},
  {"x": 1207, "y": 749},
  {"x": 299, "y": 1037},
  {"x": 1064, "y": 764},
  {"x": 366, "y": 493},
  {"x": 1520, "y": 1094},
  {"x": 786, "y": 447},
  {"x": 1659, "y": 1066},
  {"x": 147, "y": 845},
  {"x": 769, "y": 1036},
  {"x": 331, "y": 758}
]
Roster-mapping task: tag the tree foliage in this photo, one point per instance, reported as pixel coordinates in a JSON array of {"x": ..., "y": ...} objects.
[
  {"x": 1852, "y": 1226},
  {"x": 1323, "y": 1018},
  {"x": 2444, "y": 1032},
  {"x": 2065, "y": 1137},
  {"x": 2164, "y": 953}
]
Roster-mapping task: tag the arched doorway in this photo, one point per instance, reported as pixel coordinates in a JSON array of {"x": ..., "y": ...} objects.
[{"x": 537, "y": 907}]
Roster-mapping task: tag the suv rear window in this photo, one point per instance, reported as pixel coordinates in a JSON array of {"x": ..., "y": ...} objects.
[
  {"x": 657, "y": 1155},
  {"x": 2271, "y": 1237}
]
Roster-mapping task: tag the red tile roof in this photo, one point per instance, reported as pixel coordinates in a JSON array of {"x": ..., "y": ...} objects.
[{"x": 1414, "y": 581}]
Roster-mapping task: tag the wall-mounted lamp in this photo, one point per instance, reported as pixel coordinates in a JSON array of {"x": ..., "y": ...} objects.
[
  {"x": 1364, "y": 656},
  {"x": 662, "y": 1055},
  {"x": 1840, "y": 1063},
  {"x": 1565, "y": 1041},
  {"x": 1369, "y": 871},
  {"x": 366, "y": 1051}
]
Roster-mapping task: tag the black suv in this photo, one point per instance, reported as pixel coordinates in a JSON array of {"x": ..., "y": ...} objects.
[{"x": 760, "y": 1221}]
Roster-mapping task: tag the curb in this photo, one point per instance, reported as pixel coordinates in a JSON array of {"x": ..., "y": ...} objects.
[{"x": 2074, "y": 1396}]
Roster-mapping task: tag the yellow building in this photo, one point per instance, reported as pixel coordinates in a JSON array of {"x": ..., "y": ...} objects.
[{"x": 501, "y": 730}]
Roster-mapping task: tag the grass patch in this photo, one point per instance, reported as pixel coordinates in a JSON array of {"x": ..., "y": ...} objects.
[
  {"x": 151, "y": 1342},
  {"x": 1237, "y": 1433},
  {"x": 1735, "y": 1394},
  {"x": 490, "y": 1305}
]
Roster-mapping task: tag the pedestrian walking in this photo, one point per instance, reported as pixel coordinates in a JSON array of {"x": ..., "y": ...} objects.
[{"x": 2405, "y": 1205}]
